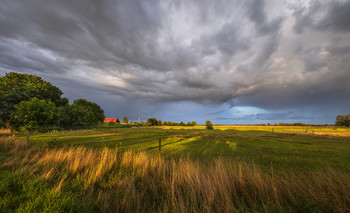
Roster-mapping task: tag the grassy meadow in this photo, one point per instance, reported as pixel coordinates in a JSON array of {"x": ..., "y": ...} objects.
[{"x": 228, "y": 169}]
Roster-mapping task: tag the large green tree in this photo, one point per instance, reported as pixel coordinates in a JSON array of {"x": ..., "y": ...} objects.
[
  {"x": 34, "y": 115},
  {"x": 17, "y": 87},
  {"x": 90, "y": 113},
  {"x": 80, "y": 116}
]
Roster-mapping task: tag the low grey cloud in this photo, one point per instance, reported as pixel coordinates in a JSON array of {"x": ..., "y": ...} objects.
[{"x": 268, "y": 54}]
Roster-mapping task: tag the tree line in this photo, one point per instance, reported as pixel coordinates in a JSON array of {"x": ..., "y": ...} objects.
[
  {"x": 155, "y": 122},
  {"x": 28, "y": 103}
]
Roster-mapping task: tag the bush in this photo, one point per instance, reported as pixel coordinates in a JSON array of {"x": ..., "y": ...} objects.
[
  {"x": 152, "y": 122},
  {"x": 52, "y": 143},
  {"x": 125, "y": 120},
  {"x": 209, "y": 125}
]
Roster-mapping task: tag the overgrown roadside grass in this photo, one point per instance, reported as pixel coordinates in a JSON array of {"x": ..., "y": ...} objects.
[{"x": 85, "y": 179}]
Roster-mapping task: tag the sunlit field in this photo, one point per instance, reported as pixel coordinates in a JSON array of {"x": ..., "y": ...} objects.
[
  {"x": 228, "y": 169},
  {"x": 303, "y": 130},
  {"x": 281, "y": 148}
]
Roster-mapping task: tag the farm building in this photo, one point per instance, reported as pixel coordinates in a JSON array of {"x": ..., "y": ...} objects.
[{"x": 108, "y": 120}]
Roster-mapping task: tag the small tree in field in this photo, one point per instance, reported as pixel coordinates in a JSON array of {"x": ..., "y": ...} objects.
[
  {"x": 125, "y": 120},
  {"x": 209, "y": 125},
  {"x": 343, "y": 120},
  {"x": 152, "y": 122}
]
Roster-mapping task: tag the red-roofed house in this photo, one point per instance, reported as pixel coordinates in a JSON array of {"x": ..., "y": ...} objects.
[{"x": 115, "y": 120}]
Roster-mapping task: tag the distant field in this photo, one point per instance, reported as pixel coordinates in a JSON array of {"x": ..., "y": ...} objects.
[
  {"x": 303, "y": 130},
  {"x": 228, "y": 169}
]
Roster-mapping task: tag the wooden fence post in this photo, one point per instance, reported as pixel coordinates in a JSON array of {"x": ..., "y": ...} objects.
[
  {"x": 160, "y": 147},
  {"x": 27, "y": 138}
]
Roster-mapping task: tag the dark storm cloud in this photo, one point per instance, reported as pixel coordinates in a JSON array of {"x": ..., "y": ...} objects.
[
  {"x": 266, "y": 51},
  {"x": 28, "y": 59},
  {"x": 256, "y": 13},
  {"x": 303, "y": 16},
  {"x": 313, "y": 59},
  {"x": 338, "y": 17},
  {"x": 339, "y": 47},
  {"x": 159, "y": 51},
  {"x": 323, "y": 15},
  {"x": 228, "y": 41}
]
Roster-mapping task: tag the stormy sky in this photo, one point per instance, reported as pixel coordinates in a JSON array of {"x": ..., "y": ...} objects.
[{"x": 229, "y": 61}]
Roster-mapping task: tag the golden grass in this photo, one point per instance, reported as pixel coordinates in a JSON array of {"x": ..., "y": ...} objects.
[
  {"x": 90, "y": 165},
  {"x": 11, "y": 144},
  {"x": 135, "y": 182},
  {"x": 5, "y": 131}
]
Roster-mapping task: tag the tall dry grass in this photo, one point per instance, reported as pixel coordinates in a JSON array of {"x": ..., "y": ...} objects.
[
  {"x": 5, "y": 131},
  {"x": 136, "y": 182},
  {"x": 11, "y": 145}
]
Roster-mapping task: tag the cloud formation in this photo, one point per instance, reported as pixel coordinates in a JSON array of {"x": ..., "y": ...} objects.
[{"x": 273, "y": 55}]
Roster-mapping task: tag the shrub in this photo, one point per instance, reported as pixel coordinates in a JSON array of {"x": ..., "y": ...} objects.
[{"x": 209, "y": 125}]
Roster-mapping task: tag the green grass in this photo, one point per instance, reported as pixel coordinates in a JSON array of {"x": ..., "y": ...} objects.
[
  {"x": 264, "y": 148},
  {"x": 243, "y": 170},
  {"x": 22, "y": 194}
]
